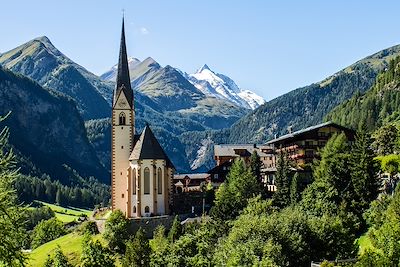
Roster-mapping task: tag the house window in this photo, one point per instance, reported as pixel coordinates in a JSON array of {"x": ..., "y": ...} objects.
[
  {"x": 146, "y": 209},
  {"x": 216, "y": 176},
  {"x": 122, "y": 118},
  {"x": 146, "y": 181},
  {"x": 159, "y": 181},
  {"x": 134, "y": 181}
]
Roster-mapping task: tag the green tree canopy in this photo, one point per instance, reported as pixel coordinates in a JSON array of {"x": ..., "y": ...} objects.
[
  {"x": 12, "y": 219},
  {"x": 116, "y": 231},
  {"x": 137, "y": 251}
]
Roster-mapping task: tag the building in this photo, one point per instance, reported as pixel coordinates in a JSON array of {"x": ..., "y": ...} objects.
[
  {"x": 190, "y": 182},
  {"x": 302, "y": 146},
  {"x": 141, "y": 174},
  {"x": 225, "y": 155}
]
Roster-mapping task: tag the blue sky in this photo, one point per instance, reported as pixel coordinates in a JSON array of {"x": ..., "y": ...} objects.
[{"x": 270, "y": 47}]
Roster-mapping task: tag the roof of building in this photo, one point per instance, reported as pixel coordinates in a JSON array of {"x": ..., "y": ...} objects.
[
  {"x": 230, "y": 150},
  {"x": 191, "y": 176},
  {"x": 147, "y": 147},
  {"x": 123, "y": 79},
  {"x": 305, "y": 130}
]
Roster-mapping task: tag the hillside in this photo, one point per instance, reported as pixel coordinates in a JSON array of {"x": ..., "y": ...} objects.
[
  {"x": 46, "y": 129},
  {"x": 379, "y": 105},
  {"x": 39, "y": 60},
  {"x": 299, "y": 108},
  {"x": 163, "y": 97}
]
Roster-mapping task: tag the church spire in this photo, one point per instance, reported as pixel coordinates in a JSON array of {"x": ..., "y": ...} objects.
[{"x": 123, "y": 79}]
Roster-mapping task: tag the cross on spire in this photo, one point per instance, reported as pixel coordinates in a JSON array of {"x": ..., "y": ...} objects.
[{"x": 123, "y": 79}]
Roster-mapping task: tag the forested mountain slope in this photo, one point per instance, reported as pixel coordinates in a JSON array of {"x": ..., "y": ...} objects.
[
  {"x": 297, "y": 109},
  {"x": 46, "y": 130},
  {"x": 378, "y": 106}
]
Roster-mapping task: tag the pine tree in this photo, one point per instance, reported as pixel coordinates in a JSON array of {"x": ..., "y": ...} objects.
[
  {"x": 295, "y": 189},
  {"x": 232, "y": 196},
  {"x": 176, "y": 230},
  {"x": 137, "y": 251},
  {"x": 12, "y": 234},
  {"x": 59, "y": 259},
  {"x": 255, "y": 165},
  {"x": 281, "y": 197},
  {"x": 364, "y": 170}
]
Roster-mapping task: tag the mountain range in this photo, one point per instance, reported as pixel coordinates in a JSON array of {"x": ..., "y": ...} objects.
[
  {"x": 295, "y": 110},
  {"x": 208, "y": 82},
  {"x": 163, "y": 97},
  {"x": 189, "y": 113}
]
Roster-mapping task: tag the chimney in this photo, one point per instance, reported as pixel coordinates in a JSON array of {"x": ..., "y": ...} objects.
[{"x": 289, "y": 129}]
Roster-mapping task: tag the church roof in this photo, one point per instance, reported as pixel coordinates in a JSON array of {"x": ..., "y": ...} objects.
[
  {"x": 147, "y": 147},
  {"x": 123, "y": 79}
]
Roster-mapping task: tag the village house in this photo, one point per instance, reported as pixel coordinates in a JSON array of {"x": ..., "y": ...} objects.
[
  {"x": 301, "y": 148},
  {"x": 190, "y": 182}
]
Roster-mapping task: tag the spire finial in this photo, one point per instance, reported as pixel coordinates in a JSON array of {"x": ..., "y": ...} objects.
[{"x": 123, "y": 79}]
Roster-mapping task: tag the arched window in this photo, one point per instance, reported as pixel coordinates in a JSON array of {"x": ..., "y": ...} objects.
[
  {"x": 134, "y": 209},
  {"x": 146, "y": 181},
  {"x": 134, "y": 182},
  {"x": 146, "y": 209},
  {"x": 159, "y": 181},
  {"x": 122, "y": 118}
]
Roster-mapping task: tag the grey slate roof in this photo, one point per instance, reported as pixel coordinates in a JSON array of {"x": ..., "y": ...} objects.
[
  {"x": 147, "y": 147},
  {"x": 229, "y": 149},
  {"x": 305, "y": 130},
  {"x": 123, "y": 79}
]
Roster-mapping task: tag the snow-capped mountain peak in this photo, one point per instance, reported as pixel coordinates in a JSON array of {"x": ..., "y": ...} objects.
[
  {"x": 221, "y": 86},
  {"x": 204, "y": 67}
]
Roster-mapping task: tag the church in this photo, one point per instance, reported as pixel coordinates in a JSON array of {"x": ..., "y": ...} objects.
[{"x": 141, "y": 172}]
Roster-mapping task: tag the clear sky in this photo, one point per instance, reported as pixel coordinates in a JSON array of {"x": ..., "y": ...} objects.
[{"x": 270, "y": 47}]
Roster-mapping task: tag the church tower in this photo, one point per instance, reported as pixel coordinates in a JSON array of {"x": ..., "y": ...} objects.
[{"x": 123, "y": 130}]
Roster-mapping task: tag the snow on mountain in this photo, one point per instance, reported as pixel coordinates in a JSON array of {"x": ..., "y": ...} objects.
[
  {"x": 111, "y": 75},
  {"x": 221, "y": 86},
  {"x": 204, "y": 79}
]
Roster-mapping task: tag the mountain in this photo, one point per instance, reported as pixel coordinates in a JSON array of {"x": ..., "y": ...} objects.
[
  {"x": 39, "y": 60},
  {"x": 46, "y": 130},
  {"x": 377, "y": 106},
  {"x": 221, "y": 86},
  {"x": 163, "y": 97},
  {"x": 209, "y": 83},
  {"x": 297, "y": 109}
]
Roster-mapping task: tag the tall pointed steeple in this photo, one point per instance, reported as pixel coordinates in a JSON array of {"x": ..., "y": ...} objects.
[{"x": 123, "y": 79}]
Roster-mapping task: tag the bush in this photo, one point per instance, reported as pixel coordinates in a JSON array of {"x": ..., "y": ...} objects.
[
  {"x": 116, "y": 231},
  {"x": 46, "y": 231},
  {"x": 89, "y": 227}
]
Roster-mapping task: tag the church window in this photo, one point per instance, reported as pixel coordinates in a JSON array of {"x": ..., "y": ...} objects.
[
  {"x": 134, "y": 209},
  {"x": 134, "y": 182},
  {"x": 122, "y": 147},
  {"x": 122, "y": 118},
  {"x": 146, "y": 181},
  {"x": 159, "y": 181},
  {"x": 122, "y": 195},
  {"x": 146, "y": 209}
]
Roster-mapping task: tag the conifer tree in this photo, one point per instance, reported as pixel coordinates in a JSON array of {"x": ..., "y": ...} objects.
[
  {"x": 255, "y": 165},
  {"x": 295, "y": 189},
  {"x": 176, "y": 230},
  {"x": 364, "y": 170},
  {"x": 232, "y": 196},
  {"x": 281, "y": 197},
  {"x": 137, "y": 251},
  {"x": 12, "y": 233}
]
